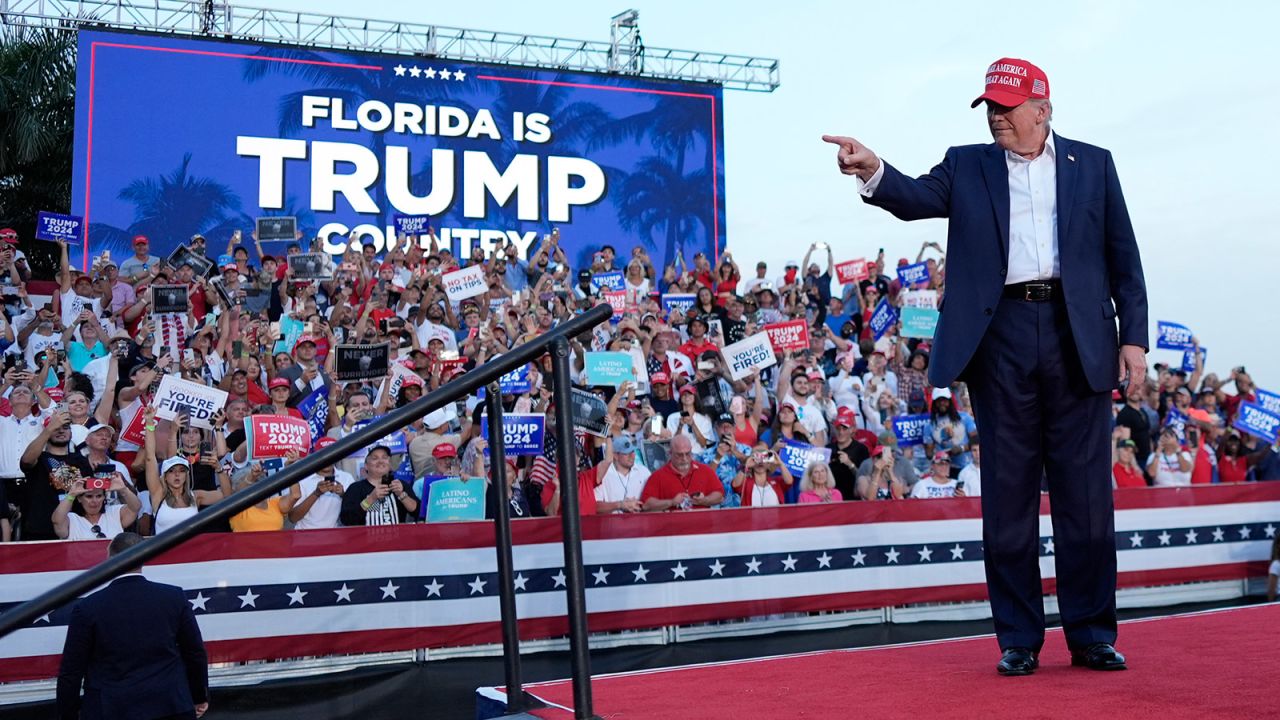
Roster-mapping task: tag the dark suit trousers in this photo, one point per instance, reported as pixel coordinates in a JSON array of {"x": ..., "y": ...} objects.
[{"x": 1038, "y": 419}]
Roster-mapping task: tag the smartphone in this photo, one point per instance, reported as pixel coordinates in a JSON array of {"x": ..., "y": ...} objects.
[
  {"x": 188, "y": 355},
  {"x": 237, "y": 348},
  {"x": 655, "y": 424},
  {"x": 97, "y": 483},
  {"x": 959, "y": 485}
]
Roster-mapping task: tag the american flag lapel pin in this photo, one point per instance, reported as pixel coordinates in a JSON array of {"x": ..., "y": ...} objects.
[{"x": 1072, "y": 158}]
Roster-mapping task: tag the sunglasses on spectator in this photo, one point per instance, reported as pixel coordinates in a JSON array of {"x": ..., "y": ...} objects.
[{"x": 97, "y": 532}]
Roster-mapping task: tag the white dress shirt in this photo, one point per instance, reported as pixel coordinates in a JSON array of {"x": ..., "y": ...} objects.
[{"x": 1033, "y": 214}]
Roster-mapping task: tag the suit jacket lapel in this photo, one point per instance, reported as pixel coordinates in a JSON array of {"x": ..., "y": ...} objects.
[
  {"x": 996, "y": 172},
  {"x": 1066, "y": 166}
]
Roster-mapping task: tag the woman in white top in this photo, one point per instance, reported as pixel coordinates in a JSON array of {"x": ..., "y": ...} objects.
[
  {"x": 688, "y": 421},
  {"x": 636, "y": 282},
  {"x": 172, "y": 497},
  {"x": 1170, "y": 465},
  {"x": 84, "y": 514}
]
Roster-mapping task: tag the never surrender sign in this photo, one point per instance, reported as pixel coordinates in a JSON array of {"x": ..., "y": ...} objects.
[
  {"x": 522, "y": 434},
  {"x": 465, "y": 283},
  {"x": 792, "y": 335},
  {"x": 197, "y": 401},
  {"x": 744, "y": 356},
  {"x": 273, "y": 436}
]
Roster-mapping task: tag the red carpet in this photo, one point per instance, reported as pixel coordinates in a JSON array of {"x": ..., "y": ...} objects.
[{"x": 1220, "y": 664}]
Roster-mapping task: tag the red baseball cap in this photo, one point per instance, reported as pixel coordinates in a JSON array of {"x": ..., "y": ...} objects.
[
  {"x": 9, "y": 235},
  {"x": 140, "y": 239},
  {"x": 277, "y": 382},
  {"x": 324, "y": 442},
  {"x": 659, "y": 378},
  {"x": 444, "y": 450},
  {"x": 845, "y": 417},
  {"x": 1011, "y": 82}
]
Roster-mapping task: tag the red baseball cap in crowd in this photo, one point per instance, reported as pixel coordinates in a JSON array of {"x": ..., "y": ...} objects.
[
  {"x": 1011, "y": 82},
  {"x": 9, "y": 235},
  {"x": 277, "y": 382},
  {"x": 941, "y": 457},
  {"x": 845, "y": 417},
  {"x": 688, "y": 388},
  {"x": 659, "y": 378},
  {"x": 324, "y": 442},
  {"x": 140, "y": 239},
  {"x": 445, "y": 450}
]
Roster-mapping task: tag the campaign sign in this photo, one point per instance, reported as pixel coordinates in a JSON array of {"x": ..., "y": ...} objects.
[
  {"x": 754, "y": 352},
  {"x": 1178, "y": 421},
  {"x": 914, "y": 274},
  {"x": 412, "y": 224},
  {"x": 272, "y": 436},
  {"x": 1172, "y": 336},
  {"x": 607, "y": 280},
  {"x": 183, "y": 255},
  {"x": 283, "y": 228},
  {"x": 883, "y": 318},
  {"x": 453, "y": 499},
  {"x": 680, "y": 302},
  {"x": 609, "y": 368},
  {"x": 315, "y": 408},
  {"x": 133, "y": 431},
  {"x": 589, "y": 412},
  {"x": 909, "y": 429},
  {"x": 311, "y": 266},
  {"x": 516, "y": 382},
  {"x": 797, "y": 456},
  {"x": 791, "y": 335},
  {"x": 919, "y": 299},
  {"x": 54, "y": 227},
  {"x": 617, "y": 299},
  {"x": 169, "y": 299},
  {"x": 290, "y": 330},
  {"x": 852, "y": 271},
  {"x": 394, "y": 441},
  {"x": 919, "y": 322},
  {"x": 521, "y": 434},
  {"x": 196, "y": 400},
  {"x": 1257, "y": 422},
  {"x": 465, "y": 283},
  {"x": 1267, "y": 400},
  {"x": 1189, "y": 358},
  {"x": 361, "y": 362}
]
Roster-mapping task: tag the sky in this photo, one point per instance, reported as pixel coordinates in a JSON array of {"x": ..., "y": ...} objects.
[{"x": 1184, "y": 94}]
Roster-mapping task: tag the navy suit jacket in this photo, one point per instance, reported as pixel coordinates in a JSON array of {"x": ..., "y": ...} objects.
[
  {"x": 136, "y": 648},
  {"x": 1098, "y": 253}
]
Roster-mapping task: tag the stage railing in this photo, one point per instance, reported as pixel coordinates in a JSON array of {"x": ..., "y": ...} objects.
[{"x": 555, "y": 341}]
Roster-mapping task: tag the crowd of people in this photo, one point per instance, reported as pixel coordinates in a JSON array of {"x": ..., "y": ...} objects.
[{"x": 682, "y": 434}]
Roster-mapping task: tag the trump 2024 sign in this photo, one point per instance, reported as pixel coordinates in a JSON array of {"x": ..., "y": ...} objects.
[{"x": 177, "y": 136}]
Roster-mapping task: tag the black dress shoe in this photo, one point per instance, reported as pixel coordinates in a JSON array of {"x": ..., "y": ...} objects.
[
  {"x": 1018, "y": 661},
  {"x": 1098, "y": 656}
]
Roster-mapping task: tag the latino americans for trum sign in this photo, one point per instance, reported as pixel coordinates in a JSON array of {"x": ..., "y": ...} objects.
[{"x": 177, "y": 136}]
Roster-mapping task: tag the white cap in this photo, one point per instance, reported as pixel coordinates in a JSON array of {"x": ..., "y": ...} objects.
[
  {"x": 941, "y": 393},
  {"x": 174, "y": 462}
]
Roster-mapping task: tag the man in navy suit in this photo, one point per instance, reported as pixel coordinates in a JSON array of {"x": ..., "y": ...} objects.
[
  {"x": 136, "y": 648},
  {"x": 1041, "y": 261}
]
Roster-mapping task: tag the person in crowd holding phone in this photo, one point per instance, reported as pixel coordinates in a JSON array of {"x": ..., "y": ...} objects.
[
  {"x": 728, "y": 458},
  {"x": 683, "y": 483},
  {"x": 83, "y": 513},
  {"x": 690, "y": 422},
  {"x": 317, "y": 498},
  {"x": 880, "y": 477},
  {"x": 765, "y": 479},
  {"x": 1169, "y": 465},
  {"x": 51, "y": 469},
  {"x": 173, "y": 498},
  {"x": 378, "y": 498}
]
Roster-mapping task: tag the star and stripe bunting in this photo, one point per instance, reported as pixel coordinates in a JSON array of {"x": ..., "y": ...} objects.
[{"x": 439, "y": 586}]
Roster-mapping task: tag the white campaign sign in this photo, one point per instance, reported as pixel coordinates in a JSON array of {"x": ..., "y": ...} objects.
[
  {"x": 200, "y": 402},
  {"x": 465, "y": 283},
  {"x": 754, "y": 352}
]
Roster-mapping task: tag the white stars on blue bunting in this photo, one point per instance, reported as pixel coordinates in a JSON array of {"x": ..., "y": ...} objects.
[
  {"x": 199, "y": 602},
  {"x": 477, "y": 586},
  {"x": 601, "y": 575},
  {"x": 248, "y": 599},
  {"x": 641, "y": 574},
  {"x": 753, "y": 566},
  {"x": 389, "y": 590},
  {"x": 344, "y": 593},
  {"x": 297, "y": 595},
  {"x": 430, "y": 73}
]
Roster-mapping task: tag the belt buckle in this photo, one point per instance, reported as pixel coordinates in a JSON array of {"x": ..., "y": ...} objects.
[{"x": 1037, "y": 291}]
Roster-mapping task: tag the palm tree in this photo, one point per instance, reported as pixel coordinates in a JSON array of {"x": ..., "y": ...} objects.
[{"x": 657, "y": 198}]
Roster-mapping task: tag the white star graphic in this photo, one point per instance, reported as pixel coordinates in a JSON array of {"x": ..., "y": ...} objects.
[
  {"x": 343, "y": 593},
  {"x": 1191, "y": 536},
  {"x": 477, "y": 586},
  {"x": 1164, "y": 537},
  {"x": 601, "y": 575},
  {"x": 429, "y": 73},
  {"x": 678, "y": 571},
  {"x": 1218, "y": 535},
  {"x": 248, "y": 599},
  {"x": 926, "y": 555},
  {"x": 444, "y": 75},
  {"x": 1270, "y": 530},
  {"x": 559, "y": 579},
  {"x": 415, "y": 71},
  {"x": 641, "y": 573},
  {"x": 788, "y": 563},
  {"x": 824, "y": 560},
  {"x": 459, "y": 75},
  {"x": 297, "y": 595},
  {"x": 1245, "y": 532},
  {"x": 753, "y": 566},
  {"x": 44, "y": 618},
  {"x": 399, "y": 70},
  {"x": 1048, "y": 547},
  {"x": 389, "y": 590},
  {"x": 199, "y": 601},
  {"x": 717, "y": 568},
  {"x": 433, "y": 588},
  {"x": 859, "y": 558},
  {"x": 957, "y": 552},
  {"x": 892, "y": 556},
  {"x": 520, "y": 581},
  {"x": 1135, "y": 540}
]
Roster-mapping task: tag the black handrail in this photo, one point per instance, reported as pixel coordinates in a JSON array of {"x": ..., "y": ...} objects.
[{"x": 555, "y": 339}]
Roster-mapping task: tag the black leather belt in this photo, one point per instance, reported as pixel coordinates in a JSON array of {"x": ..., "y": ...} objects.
[{"x": 1034, "y": 290}]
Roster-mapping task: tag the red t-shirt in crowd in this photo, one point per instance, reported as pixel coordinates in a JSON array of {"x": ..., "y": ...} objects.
[
  {"x": 665, "y": 484},
  {"x": 586, "y": 491},
  {"x": 692, "y": 349},
  {"x": 1202, "y": 468},
  {"x": 1232, "y": 470},
  {"x": 1127, "y": 477}
]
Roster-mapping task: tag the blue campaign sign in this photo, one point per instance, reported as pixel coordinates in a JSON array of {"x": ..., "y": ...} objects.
[
  {"x": 797, "y": 456},
  {"x": 54, "y": 227},
  {"x": 315, "y": 408},
  {"x": 455, "y": 499},
  {"x": 919, "y": 322},
  {"x": 910, "y": 275},
  {"x": 1178, "y": 421},
  {"x": 1268, "y": 401},
  {"x": 909, "y": 429},
  {"x": 883, "y": 318},
  {"x": 290, "y": 330},
  {"x": 607, "y": 280},
  {"x": 609, "y": 368},
  {"x": 1256, "y": 421},
  {"x": 516, "y": 382},
  {"x": 1189, "y": 358},
  {"x": 412, "y": 224},
  {"x": 490, "y": 153},
  {"x": 522, "y": 434},
  {"x": 395, "y": 442},
  {"x": 1172, "y": 336},
  {"x": 677, "y": 301}
]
